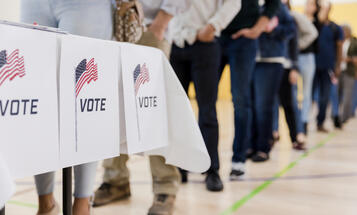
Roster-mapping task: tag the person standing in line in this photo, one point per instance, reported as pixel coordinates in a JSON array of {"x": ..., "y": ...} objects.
[
  {"x": 349, "y": 72},
  {"x": 288, "y": 92},
  {"x": 196, "y": 57},
  {"x": 267, "y": 77},
  {"x": 239, "y": 46},
  {"x": 75, "y": 17},
  {"x": 166, "y": 178},
  {"x": 307, "y": 35},
  {"x": 328, "y": 61}
]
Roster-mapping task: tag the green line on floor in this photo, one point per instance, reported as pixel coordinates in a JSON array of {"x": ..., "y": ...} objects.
[
  {"x": 266, "y": 184},
  {"x": 18, "y": 203}
]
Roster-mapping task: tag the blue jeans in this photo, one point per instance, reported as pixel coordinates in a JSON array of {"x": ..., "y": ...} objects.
[
  {"x": 240, "y": 54},
  {"x": 307, "y": 70},
  {"x": 81, "y": 17},
  {"x": 322, "y": 87},
  {"x": 335, "y": 102},
  {"x": 200, "y": 63},
  {"x": 266, "y": 83},
  {"x": 354, "y": 105}
]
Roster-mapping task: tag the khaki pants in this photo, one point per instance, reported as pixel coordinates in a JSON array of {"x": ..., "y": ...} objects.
[{"x": 166, "y": 178}]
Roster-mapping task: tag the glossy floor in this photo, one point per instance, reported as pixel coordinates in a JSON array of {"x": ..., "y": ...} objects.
[{"x": 322, "y": 182}]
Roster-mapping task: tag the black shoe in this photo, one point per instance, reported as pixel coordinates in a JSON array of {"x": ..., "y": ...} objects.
[
  {"x": 184, "y": 176},
  {"x": 213, "y": 182},
  {"x": 337, "y": 122},
  {"x": 260, "y": 157},
  {"x": 249, "y": 153},
  {"x": 305, "y": 128},
  {"x": 322, "y": 129}
]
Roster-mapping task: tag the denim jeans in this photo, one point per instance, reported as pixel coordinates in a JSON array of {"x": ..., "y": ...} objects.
[
  {"x": 81, "y": 17},
  {"x": 307, "y": 70},
  {"x": 199, "y": 63},
  {"x": 266, "y": 83},
  {"x": 335, "y": 101},
  {"x": 240, "y": 54},
  {"x": 322, "y": 84}
]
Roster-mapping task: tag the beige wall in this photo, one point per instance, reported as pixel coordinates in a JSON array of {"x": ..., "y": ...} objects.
[{"x": 10, "y": 10}]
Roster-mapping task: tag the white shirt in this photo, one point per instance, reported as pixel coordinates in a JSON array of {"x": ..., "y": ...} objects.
[
  {"x": 345, "y": 47},
  {"x": 219, "y": 13},
  {"x": 173, "y": 7}
]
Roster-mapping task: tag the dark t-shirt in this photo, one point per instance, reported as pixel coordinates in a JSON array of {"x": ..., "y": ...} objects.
[
  {"x": 249, "y": 14},
  {"x": 329, "y": 35}
]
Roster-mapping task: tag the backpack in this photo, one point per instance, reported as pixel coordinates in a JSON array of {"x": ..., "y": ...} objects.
[{"x": 128, "y": 21}]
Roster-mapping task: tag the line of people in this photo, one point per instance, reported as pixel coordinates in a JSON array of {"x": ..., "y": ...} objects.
[{"x": 266, "y": 46}]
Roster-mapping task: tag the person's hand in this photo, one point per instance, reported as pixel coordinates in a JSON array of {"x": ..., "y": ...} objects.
[
  {"x": 337, "y": 72},
  {"x": 273, "y": 23},
  {"x": 293, "y": 76},
  {"x": 157, "y": 30},
  {"x": 206, "y": 34},
  {"x": 250, "y": 33}
]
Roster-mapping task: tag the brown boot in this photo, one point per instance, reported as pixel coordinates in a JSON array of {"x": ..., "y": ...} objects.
[
  {"x": 108, "y": 193},
  {"x": 163, "y": 205}
]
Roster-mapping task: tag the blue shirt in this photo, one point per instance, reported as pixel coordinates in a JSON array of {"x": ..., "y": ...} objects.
[{"x": 329, "y": 35}]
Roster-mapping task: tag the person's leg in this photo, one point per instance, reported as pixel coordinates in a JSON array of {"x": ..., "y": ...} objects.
[
  {"x": 307, "y": 70},
  {"x": 45, "y": 185},
  {"x": 276, "y": 135},
  {"x": 166, "y": 178},
  {"x": 324, "y": 84},
  {"x": 84, "y": 178},
  {"x": 265, "y": 91},
  {"x": 354, "y": 105},
  {"x": 205, "y": 66},
  {"x": 334, "y": 91},
  {"x": 241, "y": 54},
  {"x": 347, "y": 98},
  {"x": 286, "y": 99}
]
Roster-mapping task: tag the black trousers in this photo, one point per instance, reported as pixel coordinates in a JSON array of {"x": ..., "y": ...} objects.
[
  {"x": 200, "y": 63},
  {"x": 286, "y": 98}
]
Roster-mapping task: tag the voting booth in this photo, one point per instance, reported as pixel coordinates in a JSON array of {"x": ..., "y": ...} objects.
[{"x": 69, "y": 100}]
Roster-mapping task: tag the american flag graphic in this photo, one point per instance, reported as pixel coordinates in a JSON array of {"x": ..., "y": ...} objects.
[
  {"x": 11, "y": 66},
  {"x": 85, "y": 73},
  {"x": 141, "y": 76}
]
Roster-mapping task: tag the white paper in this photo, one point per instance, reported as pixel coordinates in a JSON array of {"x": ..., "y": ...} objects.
[
  {"x": 89, "y": 104},
  {"x": 144, "y": 98},
  {"x": 7, "y": 185},
  {"x": 186, "y": 148},
  {"x": 29, "y": 100}
]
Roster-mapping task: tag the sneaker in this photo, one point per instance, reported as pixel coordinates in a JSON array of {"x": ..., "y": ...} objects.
[
  {"x": 260, "y": 157},
  {"x": 213, "y": 181},
  {"x": 163, "y": 205},
  {"x": 108, "y": 193},
  {"x": 322, "y": 129},
  {"x": 337, "y": 122},
  {"x": 238, "y": 170}
]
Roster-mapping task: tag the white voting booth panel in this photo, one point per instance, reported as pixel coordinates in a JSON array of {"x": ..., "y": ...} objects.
[
  {"x": 28, "y": 101},
  {"x": 89, "y": 100},
  {"x": 144, "y": 98}
]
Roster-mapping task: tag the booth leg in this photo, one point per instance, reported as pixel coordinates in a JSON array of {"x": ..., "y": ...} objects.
[
  {"x": 2, "y": 211},
  {"x": 67, "y": 190}
]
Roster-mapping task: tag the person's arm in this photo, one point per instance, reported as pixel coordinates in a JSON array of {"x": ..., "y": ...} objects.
[
  {"x": 339, "y": 44},
  {"x": 308, "y": 32},
  {"x": 220, "y": 20},
  {"x": 286, "y": 28},
  {"x": 159, "y": 25},
  {"x": 168, "y": 9},
  {"x": 271, "y": 7}
]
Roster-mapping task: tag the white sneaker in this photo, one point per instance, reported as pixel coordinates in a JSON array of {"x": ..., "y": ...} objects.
[{"x": 238, "y": 170}]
